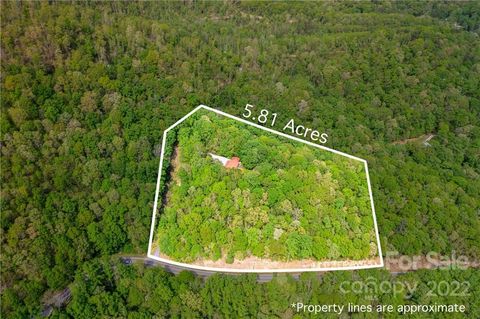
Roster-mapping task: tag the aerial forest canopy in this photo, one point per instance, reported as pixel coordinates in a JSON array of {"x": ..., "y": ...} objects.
[
  {"x": 88, "y": 88},
  {"x": 288, "y": 200}
]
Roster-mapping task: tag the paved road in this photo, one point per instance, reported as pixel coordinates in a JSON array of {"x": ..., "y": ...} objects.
[{"x": 127, "y": 259}]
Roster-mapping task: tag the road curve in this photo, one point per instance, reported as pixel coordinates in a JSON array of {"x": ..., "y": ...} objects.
[{"x": 262, "y": 277}]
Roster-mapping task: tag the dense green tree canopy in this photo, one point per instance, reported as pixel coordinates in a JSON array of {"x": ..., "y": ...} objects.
[
  {"x": 316, "y": 201},
  {"x": 88, "y": 88}
]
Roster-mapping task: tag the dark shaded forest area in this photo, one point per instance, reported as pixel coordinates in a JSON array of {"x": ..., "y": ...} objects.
[{"x": 87, "y": 89}]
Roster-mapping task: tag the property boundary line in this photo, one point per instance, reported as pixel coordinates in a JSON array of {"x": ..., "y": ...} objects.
[{"x": 233, "y": 270}]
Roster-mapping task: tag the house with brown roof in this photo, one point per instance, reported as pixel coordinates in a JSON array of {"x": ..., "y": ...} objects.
[{"x": 233, "y": 162}]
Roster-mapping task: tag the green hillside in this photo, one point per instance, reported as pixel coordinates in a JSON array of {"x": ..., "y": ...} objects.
[
  {"x": 286, "y": 201},
  {"x": 88, "y": 88}
]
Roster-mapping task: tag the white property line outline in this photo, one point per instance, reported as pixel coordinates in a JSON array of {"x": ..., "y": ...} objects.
[{"x": 233, "y": 270}]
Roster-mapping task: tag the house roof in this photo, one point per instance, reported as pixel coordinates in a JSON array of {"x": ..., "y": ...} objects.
[{"x": 234, "y": 162}]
